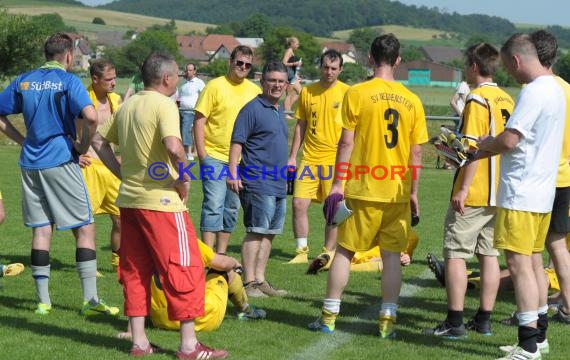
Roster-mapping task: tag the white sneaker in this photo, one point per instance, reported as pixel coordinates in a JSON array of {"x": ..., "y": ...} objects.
[
  {"x": 518, "y": 353},
  {"x": 189, "y": 157},
  {"x": 543, "y": 347}
]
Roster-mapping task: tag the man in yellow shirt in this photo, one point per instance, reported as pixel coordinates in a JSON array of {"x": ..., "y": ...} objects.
[
  {"x": 102, "y": 185},
  {"x": 215, "y": 115},
  {"x": 157, "y": 235},
  {"x": 318, "y": 129},
  {"x": 379, "y": 156},
  {"x": 470, "y": 220}
]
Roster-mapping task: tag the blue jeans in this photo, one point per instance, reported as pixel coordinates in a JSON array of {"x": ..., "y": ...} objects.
[
  {"x": 186, "y": 124},
  {"x": 263, "y": 214},
  {"x": 220, "y": 205}
]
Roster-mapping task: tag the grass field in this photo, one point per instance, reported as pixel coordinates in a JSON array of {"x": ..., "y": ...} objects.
[{"x": 65, "y": 334}]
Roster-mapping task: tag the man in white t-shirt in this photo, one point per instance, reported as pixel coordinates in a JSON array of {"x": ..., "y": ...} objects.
[
  {"x": 530, "y": 150},
  {"x": 459, "y": 99},
  {"x": 187, "y": 98}
]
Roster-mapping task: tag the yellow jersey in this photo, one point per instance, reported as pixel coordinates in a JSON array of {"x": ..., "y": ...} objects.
[
  {"x": 114, "y": 99},
  {"x": 220, "y": 102},
  {"x": 139, "y": 127},
  {"x": 387, "y": 119},
  {"x": 320, "y": 108},
  {"x": 487, "y": 110},
  {"x": 563, "y": 179}
]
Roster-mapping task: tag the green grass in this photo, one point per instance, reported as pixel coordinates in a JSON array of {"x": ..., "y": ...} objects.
[{"x": 65, "y": 334}]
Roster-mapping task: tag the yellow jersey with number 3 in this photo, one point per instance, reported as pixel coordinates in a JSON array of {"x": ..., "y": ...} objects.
[{"x": 387, "y": 119}]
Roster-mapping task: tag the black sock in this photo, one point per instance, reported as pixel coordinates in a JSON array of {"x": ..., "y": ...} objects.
[
  {"x": 542, "y": 325},
  {"x": 527, "y": 338},
  {"x": 455, "y": 318},
  {"x": 481, "y": 316}
]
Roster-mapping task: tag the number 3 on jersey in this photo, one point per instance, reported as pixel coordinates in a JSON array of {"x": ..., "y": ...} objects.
[{"x": 391, "y": 116}]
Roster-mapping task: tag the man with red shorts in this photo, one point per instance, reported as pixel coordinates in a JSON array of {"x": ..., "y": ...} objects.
[{"x": 157, "y": 235}]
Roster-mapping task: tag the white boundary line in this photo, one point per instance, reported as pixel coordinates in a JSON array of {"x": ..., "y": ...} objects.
[{"x": 327, "y": 343}]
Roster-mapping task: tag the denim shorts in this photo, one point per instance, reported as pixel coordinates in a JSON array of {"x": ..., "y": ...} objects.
[
  {"x": 186, "y": 124},
  {"x": 220, "y": 205},
  {"x": 263, "y": 214}
]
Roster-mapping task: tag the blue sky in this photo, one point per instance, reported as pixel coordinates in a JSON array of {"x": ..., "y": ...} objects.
[{"x": 543, "y": 12}]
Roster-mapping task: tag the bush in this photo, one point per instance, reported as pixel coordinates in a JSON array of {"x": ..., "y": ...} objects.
[{"x": 98, "y": 21}]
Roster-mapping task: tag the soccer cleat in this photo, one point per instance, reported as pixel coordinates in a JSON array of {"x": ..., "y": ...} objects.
[
  {"x": 269, "y": 290},
  {"x": 325, "y": 323},
  {"x": 252, "y": 313},
  {"x": 511, "y": 321},
  {"x": 321, "y": 263},
  {"x": 386, "y": 326},
  {"x": 437, "y": 268},
  {"x": 302, "y": 256},
  {"x": 483, "y": 327},
  {"x": 43, "y": 309},
  {"x": 543, "y": 347},
  {"x": 202, "y": 352},
  {"x": 252, "y": 290},
  {"x": 447, "y": 331},
  {"x": 137, "y": 351},
  {"x": 561, "y": 317},
  {"x": 115, "y": 260},
  {"x": 98, "y": 309},
  {"x": 518, "y": 353},
  {"x": 99, "y": 275},
  {"x": 11, "y": 269}
]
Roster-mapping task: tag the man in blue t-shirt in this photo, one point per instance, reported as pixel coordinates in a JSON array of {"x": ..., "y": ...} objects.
[
  {"x": 53, "y": 192},
  {"x": 260, "y": 138}
]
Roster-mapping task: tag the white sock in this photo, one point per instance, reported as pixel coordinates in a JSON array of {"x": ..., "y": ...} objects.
[
  {"x": 388, "y": 309},
  {"x": 301, "y": 242},
  {"x": 332, "y": 305}
]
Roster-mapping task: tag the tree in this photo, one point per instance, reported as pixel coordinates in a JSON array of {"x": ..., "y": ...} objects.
[
  {"x": 362, "y": 38},
  {"x": 217, "y": 67},
  {"x": 256, "y": 25},
  {"x": 98, "y": 21},
  {"x": 562, "y": 67},
  {"x": 129, "y": 58},
  {"x": 22, "y": 39},
  {"x": 411, "y": 53},
  {"x": 224, "y": 29},
  {"x": 352, "y": 73}
]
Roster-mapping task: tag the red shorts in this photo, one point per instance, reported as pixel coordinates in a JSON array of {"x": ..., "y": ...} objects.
[{"x": 165, "y": 243}]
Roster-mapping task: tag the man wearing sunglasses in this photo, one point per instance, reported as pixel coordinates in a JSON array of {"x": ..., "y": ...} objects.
[{"x": 215, "y": 115}]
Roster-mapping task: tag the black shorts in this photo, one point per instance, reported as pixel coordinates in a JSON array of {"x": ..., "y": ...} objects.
[{"x": 559, "y": 219}]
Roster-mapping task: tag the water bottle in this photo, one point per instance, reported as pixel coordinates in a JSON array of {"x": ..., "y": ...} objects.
[{"x": 291, "y": 175}]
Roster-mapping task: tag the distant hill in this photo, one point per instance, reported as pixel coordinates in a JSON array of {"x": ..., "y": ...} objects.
[{"x": 320, "y": 17}]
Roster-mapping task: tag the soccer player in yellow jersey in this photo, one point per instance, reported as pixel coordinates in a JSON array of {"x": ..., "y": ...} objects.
[
  {"x": 318, "y": 129},
  {"x": 379, "y": 156},
  {"x": 470, "y": 220},
  {"x": 102, "y": 185},
  {"x": 215, "y": 115}
]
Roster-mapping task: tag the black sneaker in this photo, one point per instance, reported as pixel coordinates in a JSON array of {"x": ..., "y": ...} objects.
[
  {"x": 561, "y": 317},
  {"x": 511, "y": 321},
  {"x": 446, "y": 330},
  {"x": 483, "y": 327},
  {"x": 437, "y": 268}
]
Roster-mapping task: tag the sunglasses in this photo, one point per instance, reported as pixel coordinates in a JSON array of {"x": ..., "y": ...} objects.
[{"x": 243, "y": 63}]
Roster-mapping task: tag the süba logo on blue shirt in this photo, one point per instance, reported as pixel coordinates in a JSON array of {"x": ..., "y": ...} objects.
[{"x": 39, "y": 86}]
